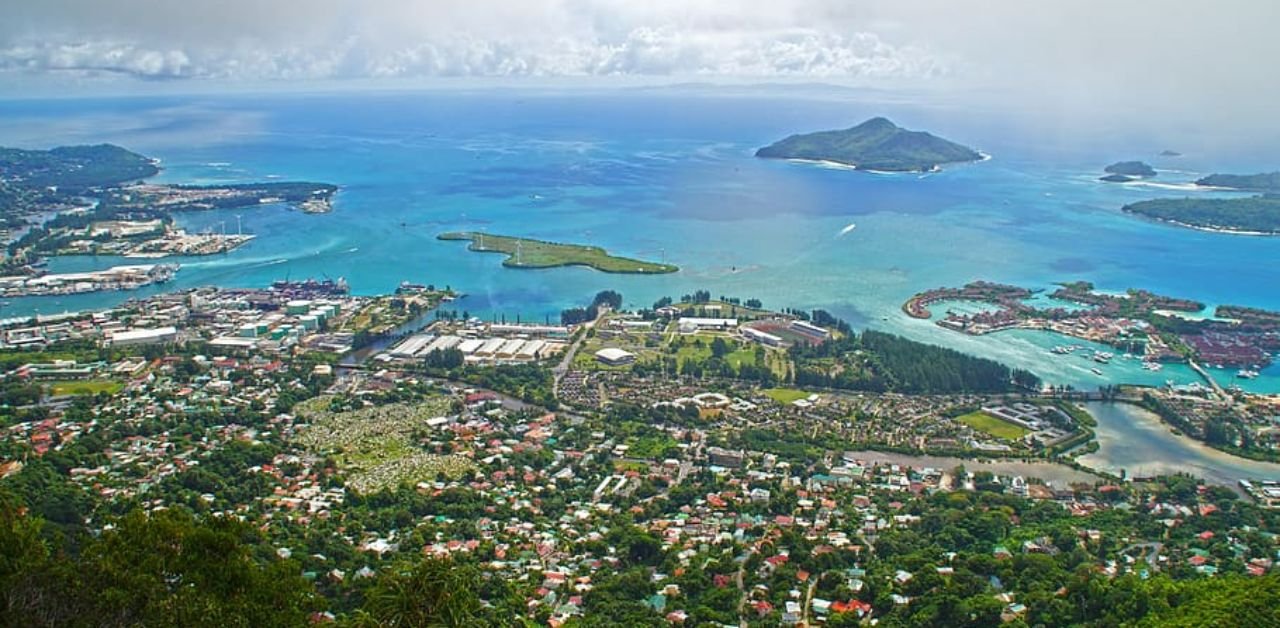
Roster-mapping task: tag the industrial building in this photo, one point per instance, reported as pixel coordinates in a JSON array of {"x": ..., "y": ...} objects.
[
  {"x": 615, "y": 357},
  {"x": 143, "y": 336},
  {"x": 762, "y": 337}
]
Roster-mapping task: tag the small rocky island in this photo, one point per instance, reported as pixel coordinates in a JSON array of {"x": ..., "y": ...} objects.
[
  {"x": 876, "y": 144},
  {"x": 1126, "y": 171}
]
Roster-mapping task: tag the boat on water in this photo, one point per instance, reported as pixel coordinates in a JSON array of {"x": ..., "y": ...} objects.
[
  {"x": 1063, "y": 350},
  {"x": 1102, "y": 357},
  {"x": 1247, "y": 374},
  {"x": 1096, "y": 370},
  {"x": 1152, "y": 366}
]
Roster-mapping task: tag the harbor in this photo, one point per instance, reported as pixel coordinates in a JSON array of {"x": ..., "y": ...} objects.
[{"x": 129, "y": 277}]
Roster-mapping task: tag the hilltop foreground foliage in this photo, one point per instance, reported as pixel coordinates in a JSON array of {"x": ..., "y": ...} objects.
[{"x": 168, "y": 568}]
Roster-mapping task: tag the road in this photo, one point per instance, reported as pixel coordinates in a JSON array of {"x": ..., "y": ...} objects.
[{"x": 739, "y": 579}]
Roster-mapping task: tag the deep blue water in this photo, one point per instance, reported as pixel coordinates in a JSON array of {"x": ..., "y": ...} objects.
[{"x": 670, "y": 173}]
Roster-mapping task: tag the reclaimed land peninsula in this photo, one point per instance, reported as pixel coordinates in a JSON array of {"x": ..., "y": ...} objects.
[
  {"x": 876, "y": 144},
  {"x": 529, "y": 253}
]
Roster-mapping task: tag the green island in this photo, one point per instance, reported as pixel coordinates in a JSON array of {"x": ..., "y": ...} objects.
[
  {"x": 1262, "y": 182},
  {"x": 1126, "y": 171},
  {"x": 1255, "y": 215},
  {"x": 876, "y": 144},
  {"x": 529, "y": 253}
]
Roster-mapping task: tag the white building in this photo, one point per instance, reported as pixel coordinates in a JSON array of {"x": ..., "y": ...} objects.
[
  {"x": 615, "y": 357},
  {"x": 143, "y": 336}
]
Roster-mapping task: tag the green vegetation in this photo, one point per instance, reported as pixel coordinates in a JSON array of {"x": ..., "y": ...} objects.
[
  {"x": 876, "y": 144},
  {"x": 162, "y": 569},
  {"x": 785, "y": 395},
  {"x": 876, "y": 361},
  {"x": 1262, "y": 182},
  {"x": 1257, "y": 214},
  {"x": 999, "y": 428},
  {"x": 90, "y": 387},
  {"x": 375, "y": 445},
  {"x": 1131, "y": 169},
  {"x": 651, "y": 447},
  {"x": 528, "y": 253},
  {"x": 73, "y": 169}
]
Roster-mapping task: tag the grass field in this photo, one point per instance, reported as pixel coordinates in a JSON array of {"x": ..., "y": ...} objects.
[
  {"x": 785, "y": 395},
  {"x": 90, "y": 387},
  {"x": 984, "y": 422},
  {"x": 527, "y": 253}
]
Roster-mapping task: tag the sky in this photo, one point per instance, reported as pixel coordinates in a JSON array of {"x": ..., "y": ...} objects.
[{"x": 1166, "y": 55}]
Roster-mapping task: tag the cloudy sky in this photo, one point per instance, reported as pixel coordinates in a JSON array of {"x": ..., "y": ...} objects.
[{"x": 1076, "y": 50}]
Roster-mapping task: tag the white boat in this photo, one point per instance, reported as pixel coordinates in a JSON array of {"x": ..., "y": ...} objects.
[
  {"x": 1096, "y": 370},
  {"x": 1247, "y": 374}
]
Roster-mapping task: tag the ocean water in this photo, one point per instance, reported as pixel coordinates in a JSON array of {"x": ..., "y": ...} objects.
[{"x": 669, "y": 174}]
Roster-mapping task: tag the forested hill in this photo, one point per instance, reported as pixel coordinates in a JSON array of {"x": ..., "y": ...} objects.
[
  {"x": 73, "y": 168},
  {"x": 876, "y": 144},
  {"x": 877, "y": 361},
  {"x": 1263, "y": 182}
]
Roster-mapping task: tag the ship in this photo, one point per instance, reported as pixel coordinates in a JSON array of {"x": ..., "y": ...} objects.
[
  {"x": 311, "y": 286},
  {"x": 1247, "y": 374},
  {"x": 1096, "y": 370},
  {"x": 1102, "y": 357}
]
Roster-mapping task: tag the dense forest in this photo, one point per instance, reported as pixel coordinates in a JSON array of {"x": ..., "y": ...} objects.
[
  {"x": 1259, "y": 214},
  {"x": 1262, "y": 182},
  {"x": 877, "y": 361}
]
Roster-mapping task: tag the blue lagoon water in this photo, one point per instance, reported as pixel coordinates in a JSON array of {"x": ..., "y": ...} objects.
[{"x": 670, "y": 174}]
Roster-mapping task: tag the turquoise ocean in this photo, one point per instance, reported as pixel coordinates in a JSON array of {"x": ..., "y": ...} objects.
[{"x": 669, "y": 174}]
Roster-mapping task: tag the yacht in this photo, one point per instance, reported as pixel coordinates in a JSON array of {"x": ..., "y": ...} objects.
[
  {"x": 1096, "y": 370},
  {"x": 1247, "y": 374},
  {"x": 1152, "y": 366}
]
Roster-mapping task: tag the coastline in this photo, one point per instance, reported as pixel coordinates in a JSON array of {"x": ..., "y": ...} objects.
[
  {"x": 558, "y": 255},
  {"x": 840, "y": 165},
  {"x": 1207, "y": 229}
]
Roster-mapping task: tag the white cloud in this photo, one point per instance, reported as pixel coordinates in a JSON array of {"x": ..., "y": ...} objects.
[
  {"x": 1143, "y": 55},
  {"x": 262, "y": 39},
  {"x": 643, "y": 51}
]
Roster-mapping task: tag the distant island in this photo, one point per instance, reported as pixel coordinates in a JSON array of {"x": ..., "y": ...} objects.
[
  {"x": 876, "y": 144},
  {"x": 1126, "y": 171},
  {"x": 1256, "y": 215},
  {"x": 529, "y": 253},
  {"x": 1267, "y": 182}
]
